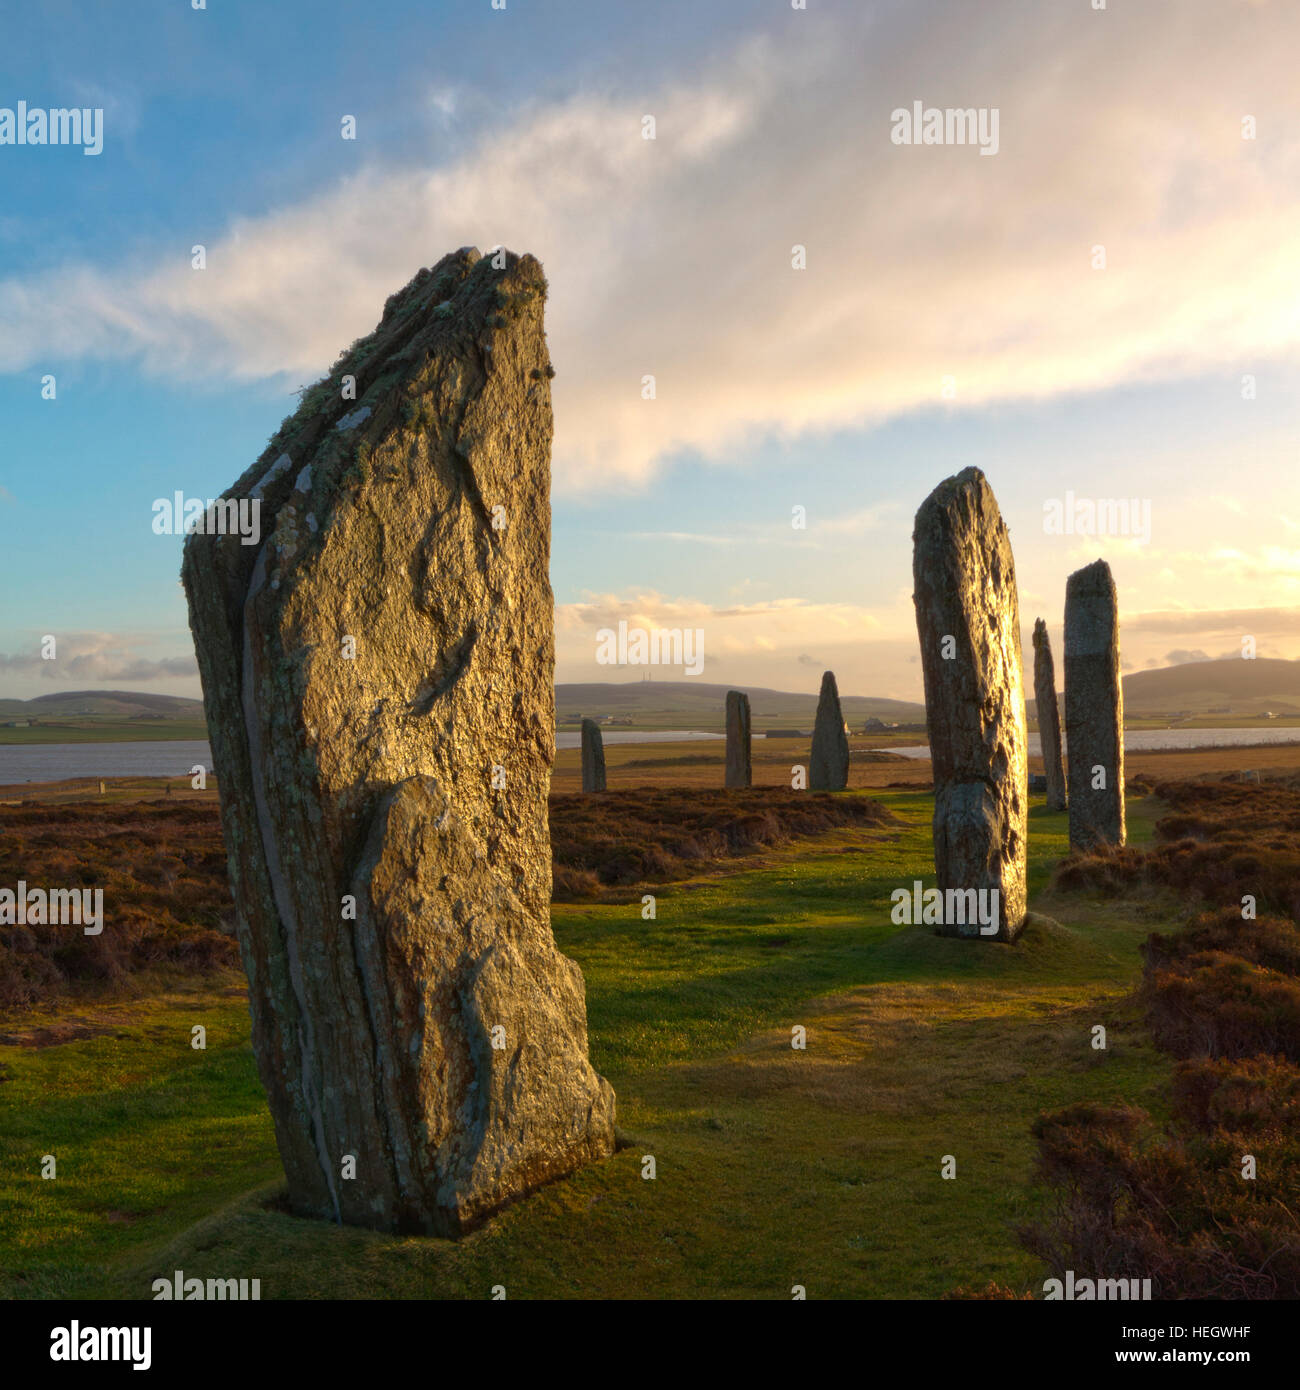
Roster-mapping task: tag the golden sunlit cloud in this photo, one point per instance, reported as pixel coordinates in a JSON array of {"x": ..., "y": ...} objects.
[{"x": 932, "y": 273}]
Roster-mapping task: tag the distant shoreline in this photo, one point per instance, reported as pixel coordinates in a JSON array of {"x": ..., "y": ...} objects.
[
  {"x": 196, "y": 731},
  {"x": 36, "y": 764}
]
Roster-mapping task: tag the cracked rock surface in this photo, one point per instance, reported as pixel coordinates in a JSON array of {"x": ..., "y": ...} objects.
[
  {"x": 378, "y": 675},
  {"x": 968, "y": 620}
]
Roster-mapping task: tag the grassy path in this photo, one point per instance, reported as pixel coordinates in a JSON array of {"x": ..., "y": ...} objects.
[{"x": 775, "y": 1167}]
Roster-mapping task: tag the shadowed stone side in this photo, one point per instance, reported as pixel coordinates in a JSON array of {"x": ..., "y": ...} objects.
[
  {"x": 739, "y": 744},
  {"x": 968, "y": 620},
  {"x": 378, "y": 682},
  {"x": 593, "y": 757},
  {"x": 1049, "y": 717},
  {"x": 1094, "y": 708},
  {"x": 828, "y": 769}
]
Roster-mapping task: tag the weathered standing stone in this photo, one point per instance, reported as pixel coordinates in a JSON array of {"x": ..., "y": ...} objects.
[
  {"x": 1049, "y": 717},
  {"x": 1094, "y": 708},
  {"x": 378, "y": 680},
  {"x": 739, "y": 743},
  {"x": 828, "y": 769},
  {"x": 968, "y": 619},
  {"x": 593, "y": 757}
]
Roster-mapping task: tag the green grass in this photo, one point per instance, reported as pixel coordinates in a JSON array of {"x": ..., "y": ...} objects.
[
  {"x": 775, "y": 1167},
  {"x": 146, "y": 1131},
  {"x": 108, "y": 730}
]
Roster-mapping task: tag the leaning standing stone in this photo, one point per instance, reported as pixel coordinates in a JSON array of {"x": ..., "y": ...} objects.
[
  {"x": 377, "y": 672},
  {"x": 829, "y": 766},
  {"x": 593, "y": 757},
  {"x": 1049, "y": 717},
  {"x": 1094, "y": 708},
  {"x": 739, "y": 756},
  {"x": 968, "y": 620}
]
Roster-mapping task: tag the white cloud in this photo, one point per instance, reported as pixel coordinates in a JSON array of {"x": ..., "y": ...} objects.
[
  {"x": 93, "y": 658},
  {"x": 857, "y": 523},
  {"x": 444, "y": 101},
  {"x": 693, "y": 538},
  {"x": 759, "y": 643},
  {"x": 672, "y": 257},
  {"x": 1273, "y": 563},
  {"x": 1277, "y": 621}
]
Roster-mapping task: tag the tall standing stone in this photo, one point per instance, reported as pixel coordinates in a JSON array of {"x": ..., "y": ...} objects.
[
  {"x": 377, "y": 669},
  {"x": 739, "y": 740},
  {"x": 593, "y": 757},
  {"x": 1049, "y": 717},
  {"x": 1094, "y": 708},
  {"x": 968, "y": 620},
  {"x": 828, "y": 769}
]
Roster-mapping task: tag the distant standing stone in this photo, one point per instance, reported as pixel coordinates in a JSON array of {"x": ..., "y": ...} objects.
[
  {"x": 829, "y": 770},
  {"x": 1049, "y": 717},
  {"x": 968, "y": 620},
  {"x": 739, "y": 761},
  {"x": 1094, "y": 708},
  {"x": 593, "y": 757}
]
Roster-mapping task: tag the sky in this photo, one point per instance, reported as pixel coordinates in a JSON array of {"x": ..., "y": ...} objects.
[{"x": 1103, "y": 305}]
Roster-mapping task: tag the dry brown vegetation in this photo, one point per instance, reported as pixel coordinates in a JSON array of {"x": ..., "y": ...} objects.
[
  {"x": 1174, "y": 1205},
  {"x": 162, "y": 868},
  {"x": 992, "y": 1291},
  {"x": 1225, "y": 988},
  {"x": 1224, "y": 839}
]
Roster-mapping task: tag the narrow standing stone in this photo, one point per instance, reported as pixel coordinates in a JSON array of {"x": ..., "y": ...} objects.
[
  {"x": 1049, "y": 717},
  {"x": 739, "y": 751},
  {"x": 593, "y": 757},
  {"x": 829, "y": 766},
  {"x": 377, "y": 670},
  {"x": 1094, "y": 708},
  {"x": 968, "y": 620}
]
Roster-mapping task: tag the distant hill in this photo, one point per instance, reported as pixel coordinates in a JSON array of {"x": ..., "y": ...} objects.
[
  {"x": 1234, "y": 686},
  {"x": 120, "y": 704},
  {"x": 1199, "y": 687},
  {"x": 666, "y": 703},
  {"x": 701, "y": 705}
]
